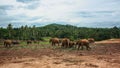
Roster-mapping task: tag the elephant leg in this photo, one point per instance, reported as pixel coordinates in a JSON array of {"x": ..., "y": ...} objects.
[
  {"x": 5, "y": 45},
  {"x": 52, "y": 44},
  {"x": 82, "y": 47},
  {"x": 9, "y": 45},
  {"x": 69, "y": 46},
  {"x": 66, "y": 45},
  {"x": 58, "y": 44},
  {"x": 88, "y": 47},
  {"x": 62, "y": 45},
  {"x": 78, "y": 47},
  {"x": 55, "y": 44}
]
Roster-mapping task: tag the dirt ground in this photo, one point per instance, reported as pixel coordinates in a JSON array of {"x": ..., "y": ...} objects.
[{"x": 104, "y": 54}]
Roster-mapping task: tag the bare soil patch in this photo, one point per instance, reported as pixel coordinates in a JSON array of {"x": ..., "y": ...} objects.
[{"x": 105, "y": 54}]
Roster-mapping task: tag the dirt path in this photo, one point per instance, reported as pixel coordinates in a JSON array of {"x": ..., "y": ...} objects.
[
  {"x": 66, "y": 61},
  {"x": 101, "y": 56}
]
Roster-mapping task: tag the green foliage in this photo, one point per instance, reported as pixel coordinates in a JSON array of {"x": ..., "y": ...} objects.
[{"x": 56, "y": 30}]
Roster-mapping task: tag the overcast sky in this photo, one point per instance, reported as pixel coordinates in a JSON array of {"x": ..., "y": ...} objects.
[{"x": 83, "y": 13}]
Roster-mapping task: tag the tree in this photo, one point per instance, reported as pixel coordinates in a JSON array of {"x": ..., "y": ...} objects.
[
  {"x": 10, "y": 31},
  {"x": 115, "y": 32}
]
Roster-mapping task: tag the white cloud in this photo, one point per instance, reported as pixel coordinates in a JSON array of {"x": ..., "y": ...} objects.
[{"x": 67, "y": 11}]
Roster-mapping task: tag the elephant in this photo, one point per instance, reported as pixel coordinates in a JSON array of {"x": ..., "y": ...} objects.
[
  {"x": 91, "y": 40},
  {"x": 54, "y": 41},
  {"x": 29, "y": 42},
  {"x": 15, "y": 42},
  {"x": 7, "y": 43},
  {"x": 71, "y": 44},
  {"x": 36, "y": 41},
  {"x": 65, "y": 42},
  {"x": 83, "y": 42}
]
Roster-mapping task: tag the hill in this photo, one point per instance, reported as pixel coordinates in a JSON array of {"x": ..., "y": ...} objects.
[{"x": 57, "y": 30}]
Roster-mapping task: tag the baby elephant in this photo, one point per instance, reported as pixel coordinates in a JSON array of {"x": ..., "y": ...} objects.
[
  {"x": 7, "y": 43},
  {"x": 71, "y": 44},
  {"x": 14, "y": 42},
  {"x": 29, "y": 42}
]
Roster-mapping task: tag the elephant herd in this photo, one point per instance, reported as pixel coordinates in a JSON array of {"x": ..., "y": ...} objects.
[
  {"x": 66, "y": 43},
  {"x": 8, "y": 43}
]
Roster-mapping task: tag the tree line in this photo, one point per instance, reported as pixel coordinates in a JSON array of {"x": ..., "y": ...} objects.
[{"x": 57, "y": 30}]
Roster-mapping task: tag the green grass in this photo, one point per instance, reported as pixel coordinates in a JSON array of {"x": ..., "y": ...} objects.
[
  {"x": 33, "y": 46},
  {"x": 46, "y": 38},
  {"x": 42, "y": 45}
]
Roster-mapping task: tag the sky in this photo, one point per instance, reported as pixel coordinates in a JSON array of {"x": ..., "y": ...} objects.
[{"x": 81, "y": 13}]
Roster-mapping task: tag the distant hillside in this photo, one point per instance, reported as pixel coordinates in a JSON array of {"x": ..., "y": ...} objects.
[
  {"x": 59, "y": 26},
  {"x": 57, "y": 30}
]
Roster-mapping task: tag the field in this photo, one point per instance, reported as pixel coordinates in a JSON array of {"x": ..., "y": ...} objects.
[{"x": 104, "y": 54}]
